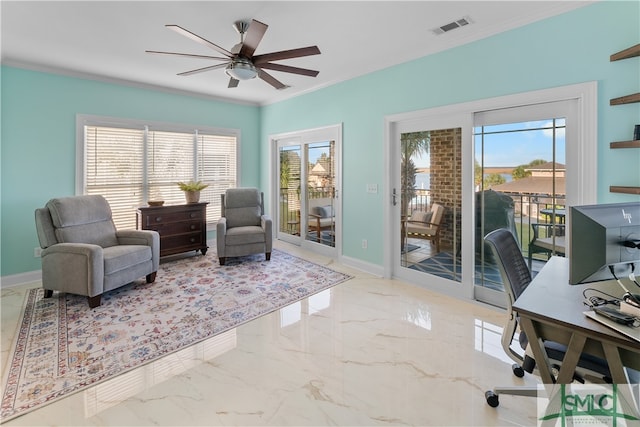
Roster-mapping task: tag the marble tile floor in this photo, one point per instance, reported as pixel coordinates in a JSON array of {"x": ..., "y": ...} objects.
[{"x": 368, "y": 352}]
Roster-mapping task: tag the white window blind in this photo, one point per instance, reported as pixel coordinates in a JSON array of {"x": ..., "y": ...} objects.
[
  {"x": 170, "y": 159},
  {"x": 132, "y": 163},
  {"x": 216, "y": 167},
  {"x": 113, "y": 168}
]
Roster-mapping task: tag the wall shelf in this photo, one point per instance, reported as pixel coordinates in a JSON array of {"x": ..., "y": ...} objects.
[
  {"x": 627, "y": 53},
  {"x": 627, "y": 99},
  {"x": 625, "y": 144},
  {"x": 631, "y": 52},
  {"x": 625, "y": 190}
]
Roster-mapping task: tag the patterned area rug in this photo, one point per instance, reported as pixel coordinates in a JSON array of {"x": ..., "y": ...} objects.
[
  {"x": 62, "y": 346},
  {"x": 444, "y": 265}
]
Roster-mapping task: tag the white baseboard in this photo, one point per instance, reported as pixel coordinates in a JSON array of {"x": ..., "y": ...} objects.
[
  {"x": 20, "y": 279},
  {"x": 367, "y": 267}
]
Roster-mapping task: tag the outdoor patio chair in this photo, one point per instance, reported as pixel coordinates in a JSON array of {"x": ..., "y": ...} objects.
[
  {"x": 426, "y": 225},
  {"x": 547, "y": 242},
  {"x": 321, "y": 217}
]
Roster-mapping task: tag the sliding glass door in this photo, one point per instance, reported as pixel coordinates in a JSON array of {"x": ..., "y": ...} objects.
[
  {"x": 520, "y": 180},
  {"x": 523, "y": 159}
]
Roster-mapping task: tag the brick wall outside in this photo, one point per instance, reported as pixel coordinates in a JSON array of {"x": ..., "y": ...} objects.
[{"x": 446, "y": 181}]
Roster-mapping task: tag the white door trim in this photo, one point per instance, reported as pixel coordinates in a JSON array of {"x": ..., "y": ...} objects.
[{"x": 325, "y": 133}]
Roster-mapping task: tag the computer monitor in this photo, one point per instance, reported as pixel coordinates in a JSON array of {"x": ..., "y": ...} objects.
[{"x": 601, "y": 236}]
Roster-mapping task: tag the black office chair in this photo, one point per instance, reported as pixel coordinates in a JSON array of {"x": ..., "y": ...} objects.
[{"x": 516, "y": 277}]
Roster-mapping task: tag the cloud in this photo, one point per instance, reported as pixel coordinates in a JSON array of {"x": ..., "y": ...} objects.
[{"x": 548, "y": 130}]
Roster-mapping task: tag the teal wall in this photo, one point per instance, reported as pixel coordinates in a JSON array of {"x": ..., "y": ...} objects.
[
  {"x": 38, "y": 117},
  {"x": 566, "y": 49},
  {"x": 39, "y": 142}
]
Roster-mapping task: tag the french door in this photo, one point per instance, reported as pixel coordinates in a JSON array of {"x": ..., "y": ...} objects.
[{"x": 308, "y": 187}]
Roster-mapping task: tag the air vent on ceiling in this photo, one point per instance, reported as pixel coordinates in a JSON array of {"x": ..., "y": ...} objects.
[{"x": 452, "y": 25}]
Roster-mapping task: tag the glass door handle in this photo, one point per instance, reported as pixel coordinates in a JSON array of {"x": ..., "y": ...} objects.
[{"x": 394, "y": 197}]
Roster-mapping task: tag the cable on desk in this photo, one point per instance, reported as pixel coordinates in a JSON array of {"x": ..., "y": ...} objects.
[
  {"x": 632, "y": 276},
  {"x": 595, "y": 300},
  {"x": 628, "y": 297}
]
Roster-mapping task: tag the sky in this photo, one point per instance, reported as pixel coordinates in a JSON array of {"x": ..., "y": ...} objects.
[
  {"x": 516, "y": 144},
  {"x": 520, "y": 143},
  {"x": 511, "y": 145}
]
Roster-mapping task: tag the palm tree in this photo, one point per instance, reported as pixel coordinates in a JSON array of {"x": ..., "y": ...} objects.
[
  {"x": 285, "y": 171},
  {"x": 411, "y": 144}
]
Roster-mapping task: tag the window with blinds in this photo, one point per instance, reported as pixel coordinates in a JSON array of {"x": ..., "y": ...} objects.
[{"x": 132, "y": 163}]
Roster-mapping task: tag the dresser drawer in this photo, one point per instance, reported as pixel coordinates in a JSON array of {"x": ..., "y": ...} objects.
[
  {"x": 176, "y": 227},
  {"x": 170, "y": 217},
  {"x": 181, "y": 240}
]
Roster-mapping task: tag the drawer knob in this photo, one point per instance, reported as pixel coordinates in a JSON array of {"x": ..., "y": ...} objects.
[
  {"x": 192, "y": 215},
  {"x": 158, "y": 218},
  {"x": 193, "y": 226},
  {"x": 192, "y": 240}
]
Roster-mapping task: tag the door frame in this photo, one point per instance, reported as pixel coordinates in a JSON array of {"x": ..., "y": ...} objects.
[
  {"x": 581, "y": 184},
  {"x": 302, "y": 137}
]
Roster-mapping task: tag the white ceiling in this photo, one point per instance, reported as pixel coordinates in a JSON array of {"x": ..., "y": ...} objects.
[{"x": 106, "y": 40}]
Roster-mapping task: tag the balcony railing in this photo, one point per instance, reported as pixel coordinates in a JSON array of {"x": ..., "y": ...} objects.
[
  {"x": 528, "y": 209},
  {"x": 290, "y": 206},
  {"x": 536, "y": 209}
]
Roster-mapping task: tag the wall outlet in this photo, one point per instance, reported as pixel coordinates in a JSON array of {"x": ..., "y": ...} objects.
[
  {"x": 364, "y": 243},
  {"x": 372, "y": 188},
  {"x": 37, "y": 252}
]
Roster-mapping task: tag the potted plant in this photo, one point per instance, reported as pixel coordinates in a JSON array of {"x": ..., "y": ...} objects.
[{"x": 192, "y": 190}]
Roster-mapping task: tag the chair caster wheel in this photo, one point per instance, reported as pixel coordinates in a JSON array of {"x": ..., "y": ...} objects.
[
  {"x": 518, "y": 371},
  {"x": 492, "y": 398}
]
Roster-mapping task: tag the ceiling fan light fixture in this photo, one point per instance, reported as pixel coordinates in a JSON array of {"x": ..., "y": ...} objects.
[{"x": 241, "y": 70}]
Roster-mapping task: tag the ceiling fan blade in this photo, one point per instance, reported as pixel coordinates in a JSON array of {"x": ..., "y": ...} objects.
[
  {"x": 271, "y": 80},
  {"x": 178, "y": 29},
  {"x": 201, "y": 70},
  {"x": 188, "y": 55},
  {"x": 286, "y": 54},
  {"x": 289, "y": 69},
  {"x": 233, "y": 82},
  {"x": 252, "y": 38}
]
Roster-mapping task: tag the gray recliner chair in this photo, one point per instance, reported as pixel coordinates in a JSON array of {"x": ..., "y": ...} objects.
[
  {"x": 84, "y": 254},
  {"x": 243, "y": 228}
]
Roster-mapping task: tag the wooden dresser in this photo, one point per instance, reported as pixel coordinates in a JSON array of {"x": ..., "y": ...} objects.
[{"x": 182, "y": 228}]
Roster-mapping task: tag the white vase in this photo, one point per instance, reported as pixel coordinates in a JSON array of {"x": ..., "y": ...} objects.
[{"x": 192, "y": 196}]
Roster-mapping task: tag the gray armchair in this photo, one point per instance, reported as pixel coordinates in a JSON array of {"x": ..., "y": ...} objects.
[
  {"x": 243, "y": 228},
  {"x": 84, "y": 254}
]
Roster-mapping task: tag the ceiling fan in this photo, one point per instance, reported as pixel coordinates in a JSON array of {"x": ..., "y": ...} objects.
[{"x": 240, "y": 63}]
